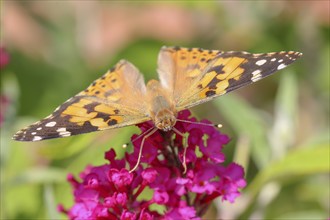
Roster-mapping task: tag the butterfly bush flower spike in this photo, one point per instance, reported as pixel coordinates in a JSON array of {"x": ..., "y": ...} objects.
[{"x": 110, "y": 191}]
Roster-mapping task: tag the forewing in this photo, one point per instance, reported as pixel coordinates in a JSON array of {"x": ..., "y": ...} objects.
[
  {"x": 115, "y": 100},
  {"x": 231, "y": 70},
  {"x": 179, "y": 68}
]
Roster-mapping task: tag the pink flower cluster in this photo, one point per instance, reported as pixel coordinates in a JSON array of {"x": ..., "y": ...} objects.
[
  {"x": 4, "y": 100},
  {"x": 4, "y": 57},
  {"x": 112, "y": 192}
]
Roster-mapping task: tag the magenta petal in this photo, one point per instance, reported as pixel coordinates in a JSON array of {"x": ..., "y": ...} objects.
[{"x": 110, "y": 191}]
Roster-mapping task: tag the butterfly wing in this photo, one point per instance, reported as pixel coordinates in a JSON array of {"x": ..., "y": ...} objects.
[
  {"x": 224, "y": 72},
  {"x": 179, "y": 68},
  {"x": 112, "y": 101}
]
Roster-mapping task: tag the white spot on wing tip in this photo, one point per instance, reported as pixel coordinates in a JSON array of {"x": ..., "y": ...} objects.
[
  {"x": 65, "y": 133},
  {"x": 61, "y": 129},
  {"x": 256, "y": 75},
  {"x": 256, "y": 78},
  {"x": 256, "y": 72},
  {"x": 37, "y": 138},
  {"x": 51, "y": 124},
  {"x": 261, "y": 62},
  {"x": 281, "y": 66}
]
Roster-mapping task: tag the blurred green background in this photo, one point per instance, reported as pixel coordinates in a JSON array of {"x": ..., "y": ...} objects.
[{"x": 279, "y": 126}]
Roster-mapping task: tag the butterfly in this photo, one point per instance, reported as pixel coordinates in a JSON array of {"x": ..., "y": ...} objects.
[{"x": 187, "y": 77}]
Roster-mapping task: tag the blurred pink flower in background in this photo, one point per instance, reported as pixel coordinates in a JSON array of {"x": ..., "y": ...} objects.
[
  {"x": 4, "y": 57},
  {"x": 101, "y": 28},
  {"x": 4, "y": 100}
]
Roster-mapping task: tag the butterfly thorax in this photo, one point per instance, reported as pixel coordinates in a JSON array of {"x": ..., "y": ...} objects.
[{"x": 161, "y": 110}]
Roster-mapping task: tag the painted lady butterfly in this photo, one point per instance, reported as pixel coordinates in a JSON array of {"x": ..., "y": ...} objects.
[{"x": 188, "y": 77}]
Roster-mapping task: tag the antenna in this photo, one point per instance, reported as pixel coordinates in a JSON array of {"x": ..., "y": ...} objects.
[
  {"x": 185, "y": 146},
  {"x": 139, "y": 136},
  {"x": 152, "y": 130},
  {"x": 200, "y": 123}
]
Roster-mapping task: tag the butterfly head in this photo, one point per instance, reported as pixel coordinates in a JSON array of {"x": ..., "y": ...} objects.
[{"x": 165, "y": 120}]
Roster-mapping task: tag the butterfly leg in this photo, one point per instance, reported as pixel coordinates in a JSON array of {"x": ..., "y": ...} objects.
[
  {"x": 141, "y": 148},
  {"x": 185, "y": 146}
]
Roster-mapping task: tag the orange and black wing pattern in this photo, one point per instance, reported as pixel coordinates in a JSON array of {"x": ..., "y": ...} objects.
[
  {"x": 206, "y": 74},
  {"x": 109, "y": 102},
  {"x": 190, "y": 76}
]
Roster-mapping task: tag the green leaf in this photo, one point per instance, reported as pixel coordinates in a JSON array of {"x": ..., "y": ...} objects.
[
  {"x": 282, "y": 135},
  {"x": 246, "y": 121},
  {"x": 39, "y": 175},
  {"x": 95, "y": 153},
  {"x": 303, "y": 161},
  {"x": 65, "y": 148},
  {"x": 50, "y": 202}
]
